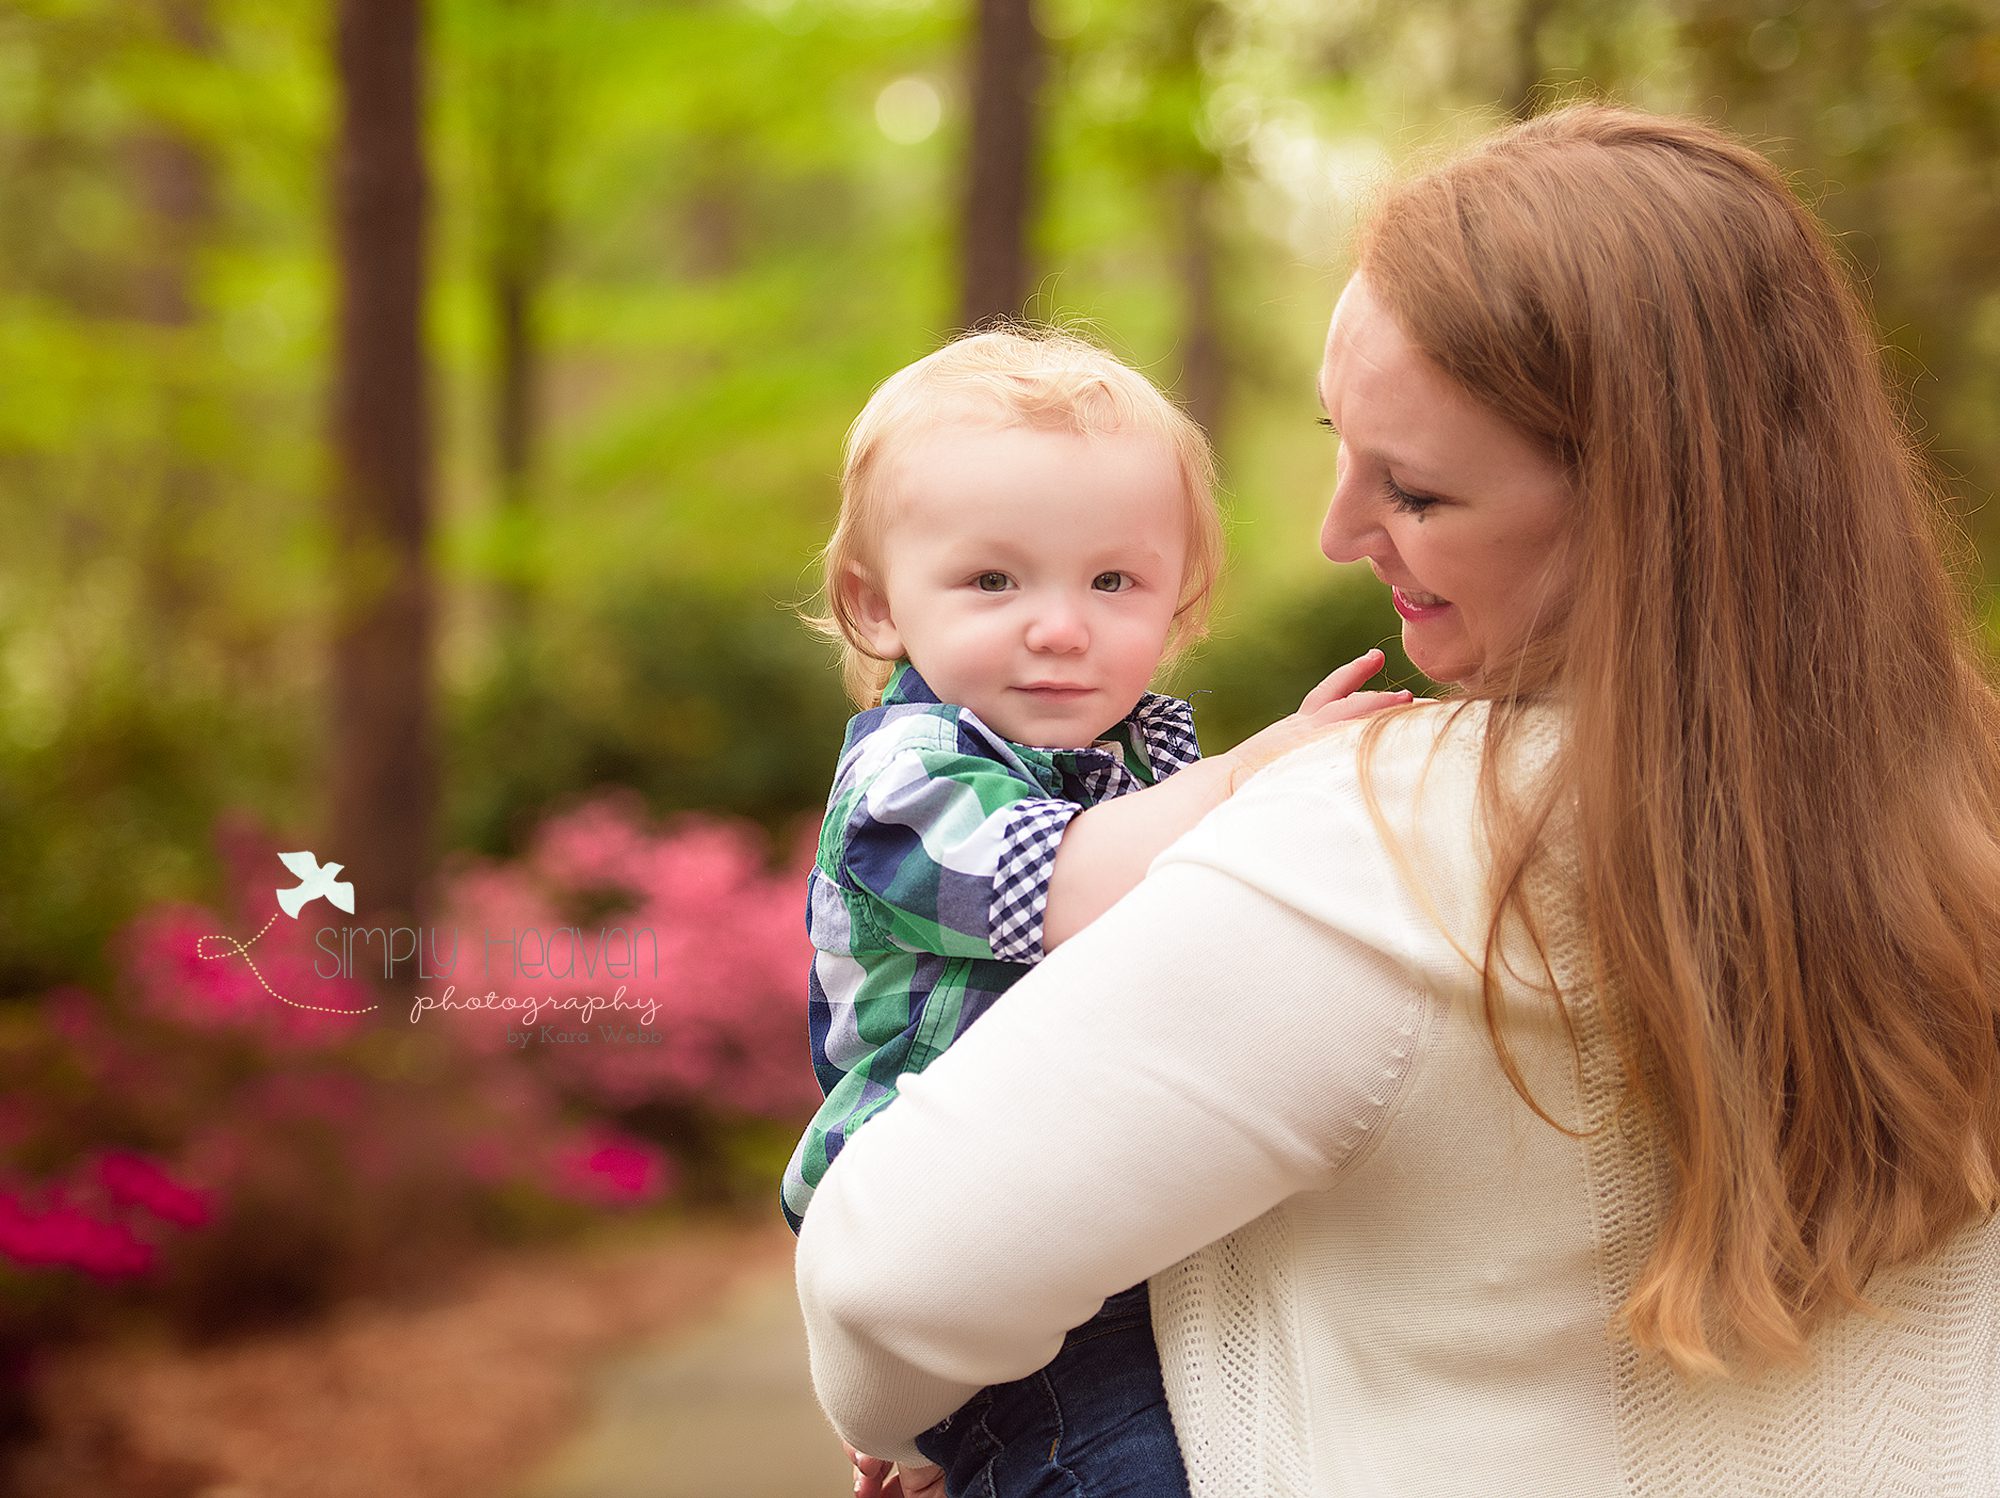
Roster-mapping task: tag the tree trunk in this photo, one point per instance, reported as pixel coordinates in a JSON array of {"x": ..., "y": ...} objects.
[
  {"x": 1205, "y": 364},
  {"x": 383, "y": 769},
  {"x": 1526, "y": 70},
  {"x": 1191, "y": 182},
  {"x": 1000, "y": 169},
  {"x": 516, "y": 380},
  {"x": 175, "y": 182},
  {"x": 519, "y": 126}
]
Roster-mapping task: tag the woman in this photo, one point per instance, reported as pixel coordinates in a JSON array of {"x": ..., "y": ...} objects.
[{"x": 1591, "y": 1085}]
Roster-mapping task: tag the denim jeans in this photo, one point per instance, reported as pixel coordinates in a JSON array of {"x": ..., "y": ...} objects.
[{"x": 1093, "y": 1424}]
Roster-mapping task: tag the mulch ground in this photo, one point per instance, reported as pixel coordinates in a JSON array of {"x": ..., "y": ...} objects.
[{"x": 455, "y": 1398}]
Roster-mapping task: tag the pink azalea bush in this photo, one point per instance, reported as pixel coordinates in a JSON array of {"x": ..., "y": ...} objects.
[
  {"x": 717, "y": 938},
  {"x": 193, "y": 1142},
  {"x": 101, "y": 1219},
  {"x": 41, "y": 1228},
  {"x": 603, "y": 1166}
]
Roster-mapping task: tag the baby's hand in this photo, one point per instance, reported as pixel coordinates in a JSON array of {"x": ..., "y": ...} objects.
[
  {"x": 1334, "y": 700},
  {"x": 877, "y": 1477}
]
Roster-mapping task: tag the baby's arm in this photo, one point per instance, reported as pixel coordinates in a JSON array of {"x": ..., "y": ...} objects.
[{"x": 1107, "y": 849}]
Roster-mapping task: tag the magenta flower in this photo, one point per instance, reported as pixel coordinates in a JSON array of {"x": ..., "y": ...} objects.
[
  {"x": 610, "y": 1169},
  {"x": 132, "y": 1180},
  {"x": 713, "y": 937},
  {"x": 60, "y": 1236},
  {"x": 244, "y": 992}
]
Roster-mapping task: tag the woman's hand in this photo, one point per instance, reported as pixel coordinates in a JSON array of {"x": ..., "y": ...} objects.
[{"x": 878, "y": 1477}]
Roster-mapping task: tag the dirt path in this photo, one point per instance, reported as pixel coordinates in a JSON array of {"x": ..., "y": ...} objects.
[
  {"x": 461, "y": 1396},
  {"x": 723, "y": 1408}
]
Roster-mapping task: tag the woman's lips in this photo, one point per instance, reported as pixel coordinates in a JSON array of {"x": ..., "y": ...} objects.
[{"x": 1412, "y": 610}]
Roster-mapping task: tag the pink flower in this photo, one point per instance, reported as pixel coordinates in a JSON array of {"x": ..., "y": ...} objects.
[
  {"x": 187, "y": 969},
  {"x": 600, "y": 845},
  {"x": 63, "y": 1236},
  {"x": 611, "y": 1169},
  {"x": 714, "y": 938},
  {"x": 132, "y": 1180}
]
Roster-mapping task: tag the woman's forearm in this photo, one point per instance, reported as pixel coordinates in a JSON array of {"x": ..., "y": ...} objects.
[{"x": 1107, "y": 848}]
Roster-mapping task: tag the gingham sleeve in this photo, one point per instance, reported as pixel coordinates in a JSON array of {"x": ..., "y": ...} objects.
[{"x": 951, "y": 853}]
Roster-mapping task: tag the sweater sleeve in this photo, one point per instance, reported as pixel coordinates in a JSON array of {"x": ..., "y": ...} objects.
[{"x": 1214, "y": 1044}]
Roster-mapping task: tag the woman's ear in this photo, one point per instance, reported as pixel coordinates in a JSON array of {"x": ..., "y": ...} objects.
[{"x": 868, "y": 606}]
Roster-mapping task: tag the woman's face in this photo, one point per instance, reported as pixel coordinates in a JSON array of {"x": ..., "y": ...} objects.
[{"x": 1453, "y": 507}]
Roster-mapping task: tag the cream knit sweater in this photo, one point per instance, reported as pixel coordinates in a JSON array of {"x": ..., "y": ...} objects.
[{"x": 1263, "y": 1082}]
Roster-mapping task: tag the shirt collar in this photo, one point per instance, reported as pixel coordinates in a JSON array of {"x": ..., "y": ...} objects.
[
  {"x": 1159, "y": 726},
  {"x": 904, "y": 685}
]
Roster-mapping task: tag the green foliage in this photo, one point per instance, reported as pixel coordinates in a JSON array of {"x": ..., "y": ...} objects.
[
  {"x": 111, "y": 808},
  {"x": 699, "y": 699},
  {"x": 724, "y": 224}
]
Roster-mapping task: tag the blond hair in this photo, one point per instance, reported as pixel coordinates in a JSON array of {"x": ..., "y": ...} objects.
[
  {"x": 1783, "y": 759},
  {"x": 1020, "y": 374}
]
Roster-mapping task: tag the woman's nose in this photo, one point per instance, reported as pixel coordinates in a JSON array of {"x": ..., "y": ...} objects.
[
  {"x": 1058, "y": 627},
  {"x": 1346, "y": 535}
]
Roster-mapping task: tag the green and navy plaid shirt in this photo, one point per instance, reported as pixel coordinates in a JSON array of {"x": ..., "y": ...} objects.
[{"x": 925, "y": 902}]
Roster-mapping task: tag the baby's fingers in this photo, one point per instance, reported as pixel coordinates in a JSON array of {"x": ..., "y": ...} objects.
[
  {"x": 872, "y": 1477},
  {"x": 1341, "y": 682},
  {"x": 916, "y": 1482},
  {"x": 1360, "y": 704}
]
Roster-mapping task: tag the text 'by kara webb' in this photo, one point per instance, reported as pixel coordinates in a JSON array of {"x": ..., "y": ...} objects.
[{"x": 533, "y": 954}]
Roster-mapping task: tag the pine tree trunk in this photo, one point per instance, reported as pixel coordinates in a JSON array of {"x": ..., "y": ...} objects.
[
  {"x": 1524, "y": 79},
  {"x": 175, "y": 180},
  {"x": 1205, "y": 356},
  {"x": 383, "y": 769},
  {"x": 1000, "y": 174},
  {"x": 522, "y": 96}
]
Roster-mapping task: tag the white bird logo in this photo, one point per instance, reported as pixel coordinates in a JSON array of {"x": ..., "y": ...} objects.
[{"x": 314, "y": 881}]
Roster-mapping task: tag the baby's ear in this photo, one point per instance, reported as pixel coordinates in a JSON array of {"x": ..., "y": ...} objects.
[{"x": 868, "y": 608}]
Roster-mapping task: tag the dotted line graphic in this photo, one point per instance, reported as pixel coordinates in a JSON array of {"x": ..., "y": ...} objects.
[{"x": 243, "y": 948}]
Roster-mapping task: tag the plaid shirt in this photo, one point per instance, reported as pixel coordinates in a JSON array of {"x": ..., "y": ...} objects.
[{"x": 925, "y": 902}]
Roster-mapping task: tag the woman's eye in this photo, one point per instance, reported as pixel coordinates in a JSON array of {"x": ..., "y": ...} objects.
[
  {"x": 1406, "y": 502},
  {"x": 1111, "y": 582},
  {"x": 991, "y": 582}
]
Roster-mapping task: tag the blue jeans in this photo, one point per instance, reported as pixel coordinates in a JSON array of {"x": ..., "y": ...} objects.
[{"x": 1093, "y": 1424}]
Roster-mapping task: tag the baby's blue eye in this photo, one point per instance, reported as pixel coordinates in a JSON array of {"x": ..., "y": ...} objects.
[
  {"x": 1110, "y": 582},
  {"x": 991, "y": 582}
]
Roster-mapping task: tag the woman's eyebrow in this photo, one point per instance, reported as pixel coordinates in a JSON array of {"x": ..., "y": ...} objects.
[
  {"x": 1389, "y": 459},
  {"x": 1398, "y": 462}
]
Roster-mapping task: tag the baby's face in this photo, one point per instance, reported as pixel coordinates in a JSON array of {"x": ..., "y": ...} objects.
[{"x": 1030, "y": 575}]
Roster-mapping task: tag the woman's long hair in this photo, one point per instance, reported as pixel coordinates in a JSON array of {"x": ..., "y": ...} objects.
[{"x": 1784, "y": 757}]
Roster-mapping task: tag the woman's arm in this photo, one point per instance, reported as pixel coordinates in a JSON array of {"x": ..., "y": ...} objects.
[
  {"x": 1106, "y": 850},
  {"x": 1204, "y": 1051}
]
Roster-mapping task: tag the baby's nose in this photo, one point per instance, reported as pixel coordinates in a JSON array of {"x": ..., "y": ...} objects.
[{"x": 1058, "y": 626}]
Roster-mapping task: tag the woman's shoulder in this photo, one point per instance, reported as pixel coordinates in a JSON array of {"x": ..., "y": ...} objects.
[
  {"x": 1422, "y": 762},
  {"x": 1378, "y": 827}
]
